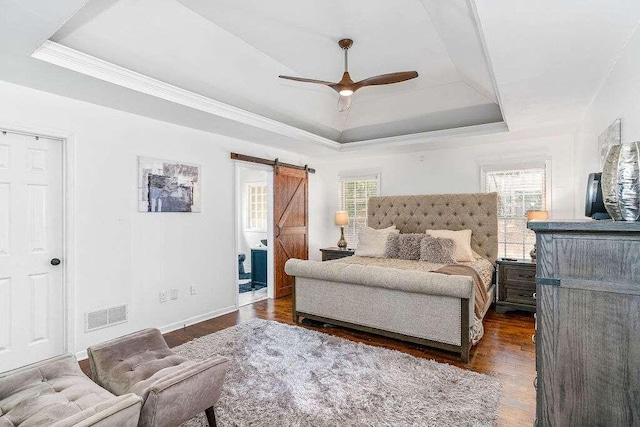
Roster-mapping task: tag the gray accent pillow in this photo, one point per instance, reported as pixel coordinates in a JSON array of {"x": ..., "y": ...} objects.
[
  {"x": 438, "y": 251},
  {"x": 391, "y": 248},
  {"x": 404, "y": 246}
]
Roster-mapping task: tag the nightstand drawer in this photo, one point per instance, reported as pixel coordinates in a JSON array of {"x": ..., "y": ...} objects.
[
  {"x": 329, "y": 257},
  {"x": 329, "y": 254},
  {"x": 516, "y": 285},
  {"x": 522, "y": 296},
  {"x": 520, "y": 273}
]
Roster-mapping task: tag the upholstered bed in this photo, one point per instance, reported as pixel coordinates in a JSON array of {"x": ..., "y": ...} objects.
[{"x": 403, "y": 299}]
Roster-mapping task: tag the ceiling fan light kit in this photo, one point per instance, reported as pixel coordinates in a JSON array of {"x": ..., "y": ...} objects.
[{"x": 347, "y": 87}]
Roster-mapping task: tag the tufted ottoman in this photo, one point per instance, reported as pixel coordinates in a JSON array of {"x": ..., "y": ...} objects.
[
  {"x": 57, "y": 393},
  {"x": 173, "y": 388}
]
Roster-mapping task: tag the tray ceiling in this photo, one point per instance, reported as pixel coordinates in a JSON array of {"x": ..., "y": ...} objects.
[
  {"x": 232, "y": 51},
  {"x": 213, "y": 65}
]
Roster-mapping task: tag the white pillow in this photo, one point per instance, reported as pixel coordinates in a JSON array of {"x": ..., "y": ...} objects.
[
  {"x": 372, "y": 242},
  {"x": 461, "y": 240}
]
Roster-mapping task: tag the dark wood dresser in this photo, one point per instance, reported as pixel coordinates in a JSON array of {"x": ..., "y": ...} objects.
[
  {"x": 516, "y": 285},
  {"x": 336, "y": 253},
  {"x": 588, "y": 323}
]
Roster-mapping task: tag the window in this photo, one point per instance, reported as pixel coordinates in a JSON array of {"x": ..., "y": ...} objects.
[
  {"x": 520, "y": 189},
  {"x": 257, "y": 207},
  {"x": 354, "y": 194}
]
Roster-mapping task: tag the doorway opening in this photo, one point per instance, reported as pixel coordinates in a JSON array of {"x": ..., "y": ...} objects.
[{"x": 254, "y": 232}]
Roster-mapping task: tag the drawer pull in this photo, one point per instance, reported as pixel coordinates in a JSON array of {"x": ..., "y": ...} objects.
[
  {"x": 533, "y": 338},
  {"x": 534, "y": 295},
  {"x": 535, "y": 383}
]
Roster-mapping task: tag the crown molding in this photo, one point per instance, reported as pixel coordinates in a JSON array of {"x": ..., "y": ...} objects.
[
  {"x": 71, "y": 59},
  {"x": 485, "y": 53},
  {"x": 428, "y": 137}
]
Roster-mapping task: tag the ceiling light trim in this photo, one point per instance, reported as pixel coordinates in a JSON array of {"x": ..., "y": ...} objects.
[{"x": 71, "y": 59}]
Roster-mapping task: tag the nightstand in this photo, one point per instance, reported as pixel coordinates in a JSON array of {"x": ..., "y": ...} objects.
[
  {"x": 335, "y": 253},
  {"x": 516, "y": 285}
]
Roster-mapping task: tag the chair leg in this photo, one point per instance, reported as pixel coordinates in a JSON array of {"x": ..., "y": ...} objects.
[{"x": 211, "y": 416}]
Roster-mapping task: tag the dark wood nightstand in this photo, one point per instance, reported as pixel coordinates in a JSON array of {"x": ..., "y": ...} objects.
[
  {"x": 335, "y": 253},
  {"x": 516, "y": 285}
]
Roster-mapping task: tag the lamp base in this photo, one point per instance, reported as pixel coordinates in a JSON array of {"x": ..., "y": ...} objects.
[{"x": 342, "y": 243}]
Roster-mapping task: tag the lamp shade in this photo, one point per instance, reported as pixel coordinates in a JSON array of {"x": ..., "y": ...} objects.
[
  {"x": 537, "y": 215},
  {"x": 342, "y": 218}
]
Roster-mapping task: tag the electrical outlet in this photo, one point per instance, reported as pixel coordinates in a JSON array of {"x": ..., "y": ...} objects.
[
  {"x": 163, "y": 296},
  {"x": 174, "y": 294},
  {"x": 194, "y": 289}
]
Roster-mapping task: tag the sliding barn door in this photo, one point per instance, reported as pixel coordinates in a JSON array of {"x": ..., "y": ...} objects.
[{"x": 290, "y": 223}]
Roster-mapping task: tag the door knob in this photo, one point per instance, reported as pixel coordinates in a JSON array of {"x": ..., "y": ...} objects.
[{"x": 55, "y": 261}]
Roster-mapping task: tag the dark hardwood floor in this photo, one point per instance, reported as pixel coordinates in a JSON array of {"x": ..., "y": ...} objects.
[{"x": 506, "y": 351}]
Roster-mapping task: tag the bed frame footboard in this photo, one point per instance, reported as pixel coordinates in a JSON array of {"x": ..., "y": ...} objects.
[{"x": 462, "y": 349}]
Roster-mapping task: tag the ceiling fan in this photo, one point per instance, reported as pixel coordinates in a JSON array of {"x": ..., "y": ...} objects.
[{"x": 346, "y": 87}]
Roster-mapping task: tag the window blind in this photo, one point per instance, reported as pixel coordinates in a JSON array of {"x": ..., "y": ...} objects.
[
  {"x": 354, "y": 194},
  {"x": 519, "y": 190}
]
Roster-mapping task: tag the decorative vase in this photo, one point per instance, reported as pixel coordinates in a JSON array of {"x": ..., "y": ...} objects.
[{"x": 621, "y": 182}]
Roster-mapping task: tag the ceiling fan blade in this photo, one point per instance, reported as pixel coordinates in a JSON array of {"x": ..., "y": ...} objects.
[
  {"x": 302, "y": 79},
  {"x": 385, "y": 79},
  {"x": 344, "y": 103}
]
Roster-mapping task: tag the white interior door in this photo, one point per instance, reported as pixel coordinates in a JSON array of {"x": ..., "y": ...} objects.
[{"x": 31, "y": 239}]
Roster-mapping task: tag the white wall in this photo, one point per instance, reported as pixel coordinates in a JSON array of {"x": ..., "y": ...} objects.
[
  {"x": 121, "y": 255},
  {"x": 619, "y": 97},
  {"x": 452, "y": 170}
]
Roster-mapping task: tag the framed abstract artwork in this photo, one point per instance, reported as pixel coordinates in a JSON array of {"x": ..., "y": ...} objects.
[{"x": 168, "y": 186}]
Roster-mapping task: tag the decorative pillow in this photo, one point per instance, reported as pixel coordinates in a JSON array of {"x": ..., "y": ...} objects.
[
  {"x": 392, "y": 247},
  {"x": 461, "y": 240},
  {"x": 372, "y": 242},
  {"x": 404, "y": 246},
  {"x": 439, "y": 251}
]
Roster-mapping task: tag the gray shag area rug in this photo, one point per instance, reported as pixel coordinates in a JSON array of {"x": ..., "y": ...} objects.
[{"x": 283, "y": 375}]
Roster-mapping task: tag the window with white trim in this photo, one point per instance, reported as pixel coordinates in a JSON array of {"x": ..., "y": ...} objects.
[
  {"x": 520, "y": 189},
  {"x": 257, "y": 216},
  {"x": 354, "y": 195}
]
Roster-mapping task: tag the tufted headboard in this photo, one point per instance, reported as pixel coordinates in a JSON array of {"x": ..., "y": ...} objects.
[{"x": 415, "y": 214}]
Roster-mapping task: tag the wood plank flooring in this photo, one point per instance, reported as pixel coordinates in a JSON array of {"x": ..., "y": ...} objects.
[{"x": 506, "y": 351}]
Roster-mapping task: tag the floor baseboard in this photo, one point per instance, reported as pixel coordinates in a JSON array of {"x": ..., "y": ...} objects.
[{"x": 81, "y": 355}]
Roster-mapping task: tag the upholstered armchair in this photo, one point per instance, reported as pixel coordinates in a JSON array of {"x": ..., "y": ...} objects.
[
  {"x": 57, "y": 393},
  {"x": 173, "y": 388}
]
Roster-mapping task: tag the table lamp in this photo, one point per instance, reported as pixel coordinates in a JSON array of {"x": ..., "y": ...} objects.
[
  {"x": 536, "y": 216},
  {"x": 342, "y": 219}
]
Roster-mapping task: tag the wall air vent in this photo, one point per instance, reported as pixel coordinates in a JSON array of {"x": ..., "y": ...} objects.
[{"x": 102, "y": 318}]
